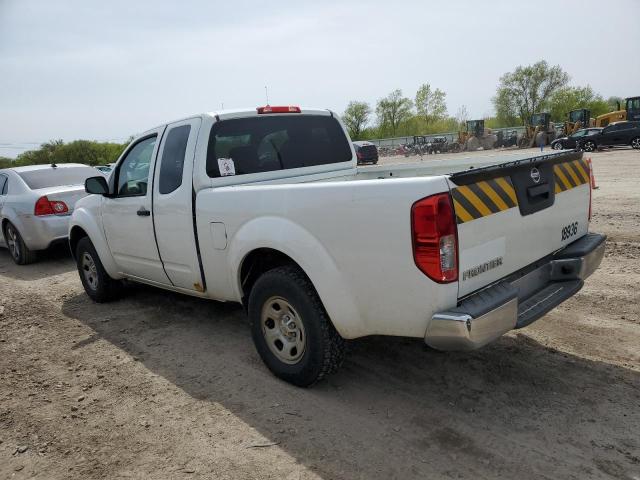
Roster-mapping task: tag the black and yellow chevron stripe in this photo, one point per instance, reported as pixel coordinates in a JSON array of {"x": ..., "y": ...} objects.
[
  {"x": 483, "y": 198},
  {"x": 571, "y": 174}
]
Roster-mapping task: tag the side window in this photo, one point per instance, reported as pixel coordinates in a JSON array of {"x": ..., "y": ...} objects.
[
  {"x": 3, "y": 184},
  {"x": 133, "y": 171},
  {"x": 173, "y": 158}
]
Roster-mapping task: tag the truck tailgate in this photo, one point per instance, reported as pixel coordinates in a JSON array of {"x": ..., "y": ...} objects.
[{"x": 513, "y": 214}]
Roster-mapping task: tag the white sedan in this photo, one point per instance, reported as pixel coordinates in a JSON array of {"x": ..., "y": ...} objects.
[{"x": 36, "y": 203}]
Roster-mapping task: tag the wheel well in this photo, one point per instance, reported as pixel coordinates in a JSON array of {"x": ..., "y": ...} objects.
[
  {"x": 258, "y": 262},
  {"x": 76, "y": 234}
]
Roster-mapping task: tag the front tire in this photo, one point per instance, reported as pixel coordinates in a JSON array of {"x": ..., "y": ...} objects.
[
  {"x": 558, "y": 146},
  {"x": 635, "y": 143},
  {"x": 291, "y": 329},
  {"x": 96, "y": 281},
  {"x": 20, "y": 253}
]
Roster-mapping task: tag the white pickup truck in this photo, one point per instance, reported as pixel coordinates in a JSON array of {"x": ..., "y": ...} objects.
[{"x": 267, "y": 208}]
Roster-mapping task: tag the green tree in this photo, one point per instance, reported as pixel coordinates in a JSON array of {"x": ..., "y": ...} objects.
[
  {"x": 392, "y": 111},
  {"x": 356, "y": 117},
  {"x": 6, "y": 162},
  {"x": 462, "y": 115},
  {"x": 78, "y": 151},
  {"x": 615, "y": 103},
  {"x": 430, "y": 104},
  {"x": 527, "y": 90},
  {"x": 566, "y": 99}
]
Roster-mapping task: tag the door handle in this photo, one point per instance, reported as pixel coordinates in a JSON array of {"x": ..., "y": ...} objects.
[{"x": 143, "y": 212}]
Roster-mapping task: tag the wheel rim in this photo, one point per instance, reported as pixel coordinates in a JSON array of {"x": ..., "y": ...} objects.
[
  {"x": 588, "y": 146},
  {"x": 635, "y": 143},
  {"x": 557, "y": 146},
  {"x": 283, "y": 330},
  {"x": 89, "y": 271},
  {"x": 12, "y": 242}
]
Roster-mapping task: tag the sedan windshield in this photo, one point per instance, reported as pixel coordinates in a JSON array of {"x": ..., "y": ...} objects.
[{"x": 55, "y": 177}]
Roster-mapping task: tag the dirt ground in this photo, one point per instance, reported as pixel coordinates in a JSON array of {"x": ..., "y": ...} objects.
[{"x": 160, "y": 386}]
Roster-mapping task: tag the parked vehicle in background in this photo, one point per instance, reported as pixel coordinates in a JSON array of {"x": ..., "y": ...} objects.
[
  {"x": 106, "y": 169},
  {"x": 571, "y": 141},
  {"x": 508, "y": 140},
  {"x": 267, "y": 208},
  {"x": 438, "y": 145},
  {"x": 366, "y": 152},
  {"x": 613, "y": 135},
  {"x": 36, "y": 203}
]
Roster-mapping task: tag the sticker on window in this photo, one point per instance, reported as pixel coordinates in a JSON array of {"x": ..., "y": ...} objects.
[{"x": 226, "y": 167}]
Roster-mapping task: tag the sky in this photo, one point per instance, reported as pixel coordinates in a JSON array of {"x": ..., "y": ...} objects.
[{"x": 105, "y": 70}]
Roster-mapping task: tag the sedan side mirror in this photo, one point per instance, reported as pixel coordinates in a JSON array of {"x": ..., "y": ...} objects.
[{"x": 96, "y": 185}]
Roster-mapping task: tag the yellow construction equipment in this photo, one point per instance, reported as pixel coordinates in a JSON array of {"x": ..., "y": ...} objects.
[
  {"x": 539, "y": 129},
  {"x": 474, "y": 137},
  {"x": 578, "y": 119},
  {"x": 630, "y": 112}
]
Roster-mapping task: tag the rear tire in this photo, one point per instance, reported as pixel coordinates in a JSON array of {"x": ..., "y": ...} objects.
[
  {"x": 589, "y": 146},
  {"x": 635, "y": 143},
  {"x": 558, "y": 146},
  {"x": 18, "y": 250},
  {"x": 291, "y": 329},
  {"x": 96, "y": 281}
]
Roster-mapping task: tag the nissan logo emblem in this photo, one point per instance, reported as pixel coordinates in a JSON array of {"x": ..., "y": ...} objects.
[{"x": 535, "y": 174}]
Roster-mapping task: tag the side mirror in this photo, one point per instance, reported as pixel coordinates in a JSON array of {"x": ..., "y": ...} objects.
[{"x": 96, "y": 185}]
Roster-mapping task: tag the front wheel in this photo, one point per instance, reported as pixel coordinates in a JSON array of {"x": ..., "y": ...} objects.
[
  {"x": 291, "y": 329},
  {"x": 20, "y": 253},
  {"x": 96, "y": 281},
  {"x": 635, "y": 143},
  {"x": 589, "y": 146},
  {"x": 558, "y": 146}
]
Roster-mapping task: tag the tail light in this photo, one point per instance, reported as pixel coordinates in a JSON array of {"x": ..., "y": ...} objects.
[
  {"x": 270, "y": 109},
  {"x": 435, "y": 238},
  {"x": 44, "y": 206}
]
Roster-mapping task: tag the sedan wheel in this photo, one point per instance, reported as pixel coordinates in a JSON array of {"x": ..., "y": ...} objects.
[
  {"x": 558, "y": 146},
  {"x": 589, "y": 146},
  {"x": 635, "y": 143},
  {"x": 13, "y": 242}
]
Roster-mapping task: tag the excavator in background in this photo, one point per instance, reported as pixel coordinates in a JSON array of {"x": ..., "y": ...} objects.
[
  {"x": 578, "y": 119},
  {"x": 474, "y": 137},
  {"x": 631, "y": 112},
  {"x": 539, "y": 128}
]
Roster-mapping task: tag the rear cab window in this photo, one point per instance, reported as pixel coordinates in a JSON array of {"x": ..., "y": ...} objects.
[
  {"x": 56, "y": 177},
  {"x": 266, "y": 143}
]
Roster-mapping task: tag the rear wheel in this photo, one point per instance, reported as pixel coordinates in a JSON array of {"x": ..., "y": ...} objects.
[
  {"x": 558, "y": 146},
  {"x": 19, "y": 251},
  {"x": 291, "y": 329},
  {"x": 95, "y": 280},
  {"x": 635, "y": 143},
  {"x": 589, "y": 146}
]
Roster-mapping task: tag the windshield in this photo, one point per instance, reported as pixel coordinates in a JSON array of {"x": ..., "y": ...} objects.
[
  {"x": 275, "y": 142},
  {"x": 55, "y": 177},
  {"x": 576, "y": 116}
]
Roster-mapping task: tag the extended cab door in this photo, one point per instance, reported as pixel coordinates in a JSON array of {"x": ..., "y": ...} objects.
[
  {"x": 172, "y": 205},
  {"x": 127, "y": 215}
]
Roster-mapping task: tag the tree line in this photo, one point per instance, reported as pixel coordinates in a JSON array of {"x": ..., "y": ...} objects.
[
  {"x": 78, "y": 151},
  {"x": 526, "y": 90}
]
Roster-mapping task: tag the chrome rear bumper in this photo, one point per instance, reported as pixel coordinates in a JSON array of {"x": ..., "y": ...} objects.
[{"x": 518, "y": 300}]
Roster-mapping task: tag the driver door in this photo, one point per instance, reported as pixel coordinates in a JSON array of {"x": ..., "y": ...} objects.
[{"x": 127, "y": 217}]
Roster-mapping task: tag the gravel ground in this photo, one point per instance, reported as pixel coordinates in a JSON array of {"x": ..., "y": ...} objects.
[{"x": 160, "y": 386}]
